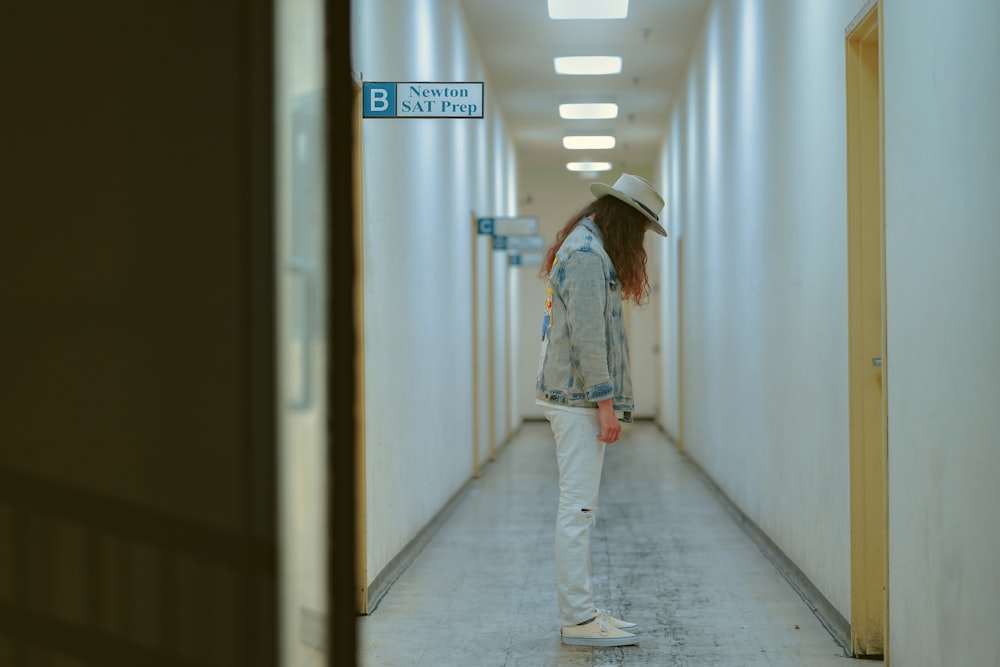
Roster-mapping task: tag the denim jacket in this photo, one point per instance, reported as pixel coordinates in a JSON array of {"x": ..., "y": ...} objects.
[{"x": 584, "y": 355}]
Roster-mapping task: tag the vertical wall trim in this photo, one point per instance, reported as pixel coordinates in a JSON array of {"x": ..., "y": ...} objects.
[
  {"x": 259, "y": 435},
  {"x": 885, "y": 324},
  {"x": 341, "y": 381}
]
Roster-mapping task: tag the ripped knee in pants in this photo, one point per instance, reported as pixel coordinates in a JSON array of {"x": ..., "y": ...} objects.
[{"x": 588, "y": 515}]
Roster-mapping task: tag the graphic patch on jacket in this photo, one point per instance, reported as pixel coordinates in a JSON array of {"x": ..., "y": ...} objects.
[
  {"x": 546, "y": 328},
  {"x": 547, "y": 317}
]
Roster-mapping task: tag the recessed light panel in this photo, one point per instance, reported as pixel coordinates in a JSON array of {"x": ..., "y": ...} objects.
[
  {"x": 598, "y": 110},
  {"x": 589, "y": 142},
  {"x": 588, "y": 166},
  {"x": 588, "y": 9},
  {"x": 588, "y": 65}
]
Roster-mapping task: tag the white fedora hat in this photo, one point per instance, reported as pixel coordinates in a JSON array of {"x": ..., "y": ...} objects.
[{"x": 637, "y": 193}]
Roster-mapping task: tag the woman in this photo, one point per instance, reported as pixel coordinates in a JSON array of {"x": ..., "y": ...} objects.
[{"x": 596, "y": 262}]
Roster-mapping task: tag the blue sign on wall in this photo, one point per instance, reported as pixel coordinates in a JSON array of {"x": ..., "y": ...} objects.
[
  {"x": 379, "y": 100},
  {"x": 422, "y": 99},
  {"x": 485, "y": 225}
]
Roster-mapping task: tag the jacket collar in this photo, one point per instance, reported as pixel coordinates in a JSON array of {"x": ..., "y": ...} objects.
[{"x": 591, "y": 226}]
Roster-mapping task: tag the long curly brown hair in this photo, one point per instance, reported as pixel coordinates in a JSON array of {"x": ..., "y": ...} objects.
[{"x": 623, "y": 229}]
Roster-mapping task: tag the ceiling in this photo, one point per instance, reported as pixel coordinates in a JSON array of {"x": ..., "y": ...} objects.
[{"x": 518, "y": 41}]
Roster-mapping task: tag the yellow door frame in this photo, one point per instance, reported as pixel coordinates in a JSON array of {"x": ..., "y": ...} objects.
[
  {"x": 361, "y": 498},
  {"x": 866, "y": 334},
  {"x": 475, "y": 346},
  {"x": 508, "y": 382},
  {"x": 680, "y": 343},
  {"x": 491, "y": 357}
]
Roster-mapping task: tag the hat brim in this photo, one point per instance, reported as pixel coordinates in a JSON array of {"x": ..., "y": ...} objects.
[{"x": 601, "y": 189}]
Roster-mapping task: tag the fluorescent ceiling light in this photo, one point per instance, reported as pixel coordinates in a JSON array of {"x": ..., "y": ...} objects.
[
  {"x": 588, "y": 9},
  {"x": 588, "y": 166},
  {"x": 588, "y": 65},
  {"x": 589, "y": 110},
  {"x": 594, "y": 142}
]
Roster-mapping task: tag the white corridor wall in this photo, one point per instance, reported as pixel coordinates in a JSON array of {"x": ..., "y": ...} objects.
[
  {"x": 755, "y": 171},
  {"x": 423, "y": 180},
  {"x": 942, "y": 168}
]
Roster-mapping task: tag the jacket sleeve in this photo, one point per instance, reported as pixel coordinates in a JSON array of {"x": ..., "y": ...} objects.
[{"x": 581, "y": 284}]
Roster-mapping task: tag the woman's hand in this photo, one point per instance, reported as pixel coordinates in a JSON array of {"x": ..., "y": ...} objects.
[{"x": 611, "y": 428}]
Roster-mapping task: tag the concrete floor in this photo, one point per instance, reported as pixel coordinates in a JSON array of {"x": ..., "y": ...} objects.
[{"x": 665, "y": 554}]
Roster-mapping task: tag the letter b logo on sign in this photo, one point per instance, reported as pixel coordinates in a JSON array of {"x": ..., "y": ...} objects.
[{"x": 379, "y": 100}]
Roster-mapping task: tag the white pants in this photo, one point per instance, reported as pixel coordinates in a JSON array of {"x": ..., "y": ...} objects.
[{"x": 581, "y": 458}]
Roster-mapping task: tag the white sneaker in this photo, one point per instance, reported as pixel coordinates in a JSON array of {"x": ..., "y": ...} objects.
[
  {"x": 628, "y": 626},
  {"x": 599, "y": 632}
]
